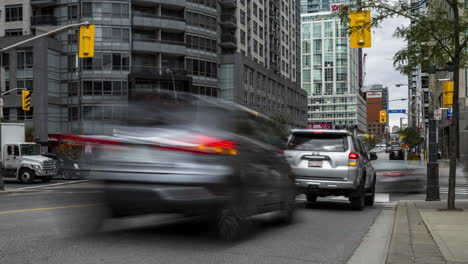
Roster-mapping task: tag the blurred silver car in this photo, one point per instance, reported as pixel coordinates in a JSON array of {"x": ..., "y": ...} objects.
[
  {"x": 192, "y": 155},
  {"x": 406, "y": 176},
  {"x": 331, "y": 162}
]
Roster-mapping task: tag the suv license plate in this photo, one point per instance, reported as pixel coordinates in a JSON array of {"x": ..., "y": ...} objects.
[{"x": 313, "y": 163}]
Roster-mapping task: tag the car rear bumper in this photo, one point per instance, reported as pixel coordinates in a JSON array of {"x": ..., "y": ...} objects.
[
  {"x": 128, "y": 198},
  {"x": 322, "y": 184}
]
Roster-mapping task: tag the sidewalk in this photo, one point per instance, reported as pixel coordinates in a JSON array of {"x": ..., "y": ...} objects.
[{"x": 424, "y": 234}]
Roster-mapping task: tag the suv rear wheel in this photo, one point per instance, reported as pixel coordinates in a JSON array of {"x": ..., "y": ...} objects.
[
  {"x": 358, "y": 199},
  {"x": 370, "y": 197},
  {"x": 231, "y": 224}
]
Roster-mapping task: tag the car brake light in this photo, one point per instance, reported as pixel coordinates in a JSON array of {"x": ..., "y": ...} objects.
[
  {"x": 201, "y": 144},
  {"x": 353, "y": 159},
  {"x": 281, "y": 151}
]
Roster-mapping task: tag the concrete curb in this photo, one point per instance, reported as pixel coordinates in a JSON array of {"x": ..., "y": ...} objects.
[{"x": 374, "y": 247}]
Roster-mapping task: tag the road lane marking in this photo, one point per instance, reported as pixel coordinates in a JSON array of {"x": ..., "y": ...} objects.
[
  {"x": 51, "y": 185},
  {"x": 48, "y": 208}
]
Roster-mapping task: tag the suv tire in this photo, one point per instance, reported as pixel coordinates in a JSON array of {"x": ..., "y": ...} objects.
[
  {"x": 311, "y": 198},
  {"x": 26, "y": 175},
  {"x": 370, "y": 197},
  {"x": 358, "y": 199}
]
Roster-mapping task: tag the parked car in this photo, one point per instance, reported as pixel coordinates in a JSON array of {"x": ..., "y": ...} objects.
[
  {"x": 192, "y": 155},
  {"x": 331, "y": 162},
  {"x": 67, "y": 169},
  {"x": 397, "y": 154}
]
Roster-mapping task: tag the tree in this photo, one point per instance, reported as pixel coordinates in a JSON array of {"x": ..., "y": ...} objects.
[
  {"x": 371, "y": 140},
  {"x": 434, "y": 39},
  {"x": 411, "y": 137},
  {"x": 281, "y": 122}
]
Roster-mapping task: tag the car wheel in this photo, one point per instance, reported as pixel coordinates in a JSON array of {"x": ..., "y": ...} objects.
[
  {"x": 26, "y": 175},
  {"x": 311, "y": 198},
  {"x": 287, "y": 215},
  {"x": 358, "y": 200},
  {"x": 231, "y": 224},
  {"x": 370, "y": 198}
]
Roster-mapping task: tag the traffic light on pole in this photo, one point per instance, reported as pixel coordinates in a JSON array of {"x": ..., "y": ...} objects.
[
  {"x": 26, "y": 100},
  {"x": 383, "y": 116},
  {"x": 447, "y": 95},
  {"x": 86, "y": 42},
  {"x": 360, "y": 27}
]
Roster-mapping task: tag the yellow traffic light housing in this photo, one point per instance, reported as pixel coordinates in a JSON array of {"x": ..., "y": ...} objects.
[
  {"x": 383, "y": 116},
  {"x": 360, "y": 27},
  {"x": 447, "y": 95},
  {"x": 86, "y": 42},
  {"x": 26, "y": 100}
]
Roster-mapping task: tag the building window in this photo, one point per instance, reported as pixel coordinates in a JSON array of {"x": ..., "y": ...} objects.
[
  {"x": 13, "y": 32},
  {"x": 13, "y": 13},
  {"x": 242, "y": 17},
  {"x": 24, "y": 83},
  {"x": 260, "y": 32},
  {"x": 116, "y": 35},
  {"x": 328, "y": 75},
  {"x": 201, "y": 43},
  {"x": 255, "y": 9},
  {"x": 72, "y": 88},
  {"x": 72, "y": 12},
  {"x": 260, "y": 14},
  {"x": 105, "y": 87},
  {"x": 72, "y": 63},
  {"x": 255, "y": 46},
  {"x": 25, "y": 115},
  {"x": 73, "y": 113},
  {"x": 203, "y": 21},
  {"x": 24, "y": 60},
  {"x": 242, "y": 35},
  {"x": 260, "y": 49},
  {"x": 72, "y": 38},
  {"x": 107, "y": 61},
  {"x": 5, "y": 60},
  {"x": 203, "y": 68},
  {"x": 105, "y": 9},
  {"x": 255, "y": 28}
]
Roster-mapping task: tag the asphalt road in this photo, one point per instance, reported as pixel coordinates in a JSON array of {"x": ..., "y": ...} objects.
[{"x": 327, "y": 232}]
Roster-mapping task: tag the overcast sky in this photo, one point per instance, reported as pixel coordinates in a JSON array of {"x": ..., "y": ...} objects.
[{"x": 379, "y": 65}]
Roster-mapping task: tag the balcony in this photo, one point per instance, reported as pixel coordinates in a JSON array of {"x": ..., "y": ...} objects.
[
  {"x": 228, "y": 21},
  {"x": 173, "y": 3},
  {"x": 159, "y": 46},
  {"x": 228, "y": 41},
  {"x": 176, "y": 24},
  {"x": 228, "y": 3},
  {"x": 43, "y": 21},
  {"x": 44, "y": 3},
  {"x": 160, "y": 72}
]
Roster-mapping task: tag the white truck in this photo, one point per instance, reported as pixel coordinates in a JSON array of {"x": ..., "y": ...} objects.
[{"x": 23, "y": 160}]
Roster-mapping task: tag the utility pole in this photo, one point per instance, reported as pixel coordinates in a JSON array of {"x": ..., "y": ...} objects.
[{"x": 432, "y": 189}]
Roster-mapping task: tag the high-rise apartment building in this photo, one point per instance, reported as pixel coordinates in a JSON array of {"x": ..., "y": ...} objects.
[
  {"x": 331, "y": 73},
  {"x": 245, "y": 51}
]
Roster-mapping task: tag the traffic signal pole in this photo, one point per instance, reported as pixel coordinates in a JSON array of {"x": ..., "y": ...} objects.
[
  {"x": 57, "y": 30},
  {"x": 432, "y": 189}
]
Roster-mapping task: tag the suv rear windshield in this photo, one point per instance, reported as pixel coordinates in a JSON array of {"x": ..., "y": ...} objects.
[{"x": 318, "y": 142}]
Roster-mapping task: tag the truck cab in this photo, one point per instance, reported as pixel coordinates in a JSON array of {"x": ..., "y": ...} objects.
[{"x": 24, "y": 162}]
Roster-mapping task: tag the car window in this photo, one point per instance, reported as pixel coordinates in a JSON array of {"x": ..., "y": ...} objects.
[{"x": 318, "y": 142}]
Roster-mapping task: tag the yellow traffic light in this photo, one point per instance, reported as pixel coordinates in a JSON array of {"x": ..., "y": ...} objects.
[
  {"x": 359, "y": 24},
  {"x": 86, "y": 42},
  {"x": 26, "y": 100},
  {"x": 383, "y": 116},
  {"x": 447, "y": 95}
]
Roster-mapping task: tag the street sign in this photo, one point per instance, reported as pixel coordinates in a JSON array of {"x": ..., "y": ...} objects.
[
  {"x": 438, "y": 114},
  {"x": 397, "y": 111},
  {"x": 449, "y": 114}
]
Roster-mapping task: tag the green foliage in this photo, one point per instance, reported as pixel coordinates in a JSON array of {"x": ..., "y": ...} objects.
[
  {"x": 431, "y": 36},
  {"x": 29, "y": 134},
  {"x": 412, "y": 138},
  {"x": 281, "y": 122}
]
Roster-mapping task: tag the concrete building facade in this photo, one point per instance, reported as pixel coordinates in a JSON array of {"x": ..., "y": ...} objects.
[
  {"x": 331, "y": 73},
  {"x": 245, "y": 51}
]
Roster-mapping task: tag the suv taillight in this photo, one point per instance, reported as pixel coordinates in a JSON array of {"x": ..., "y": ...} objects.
[{"x": 353, "y": 157}]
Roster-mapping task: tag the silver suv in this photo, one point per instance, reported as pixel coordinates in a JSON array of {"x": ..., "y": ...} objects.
[{"x": 331, "y": 162}]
